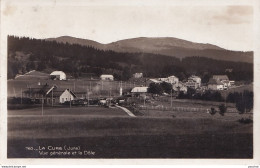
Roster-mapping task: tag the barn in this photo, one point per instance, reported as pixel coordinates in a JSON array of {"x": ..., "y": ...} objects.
[{"x": 59, "y": 75}]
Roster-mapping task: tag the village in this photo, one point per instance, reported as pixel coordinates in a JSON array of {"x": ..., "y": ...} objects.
[{"x": 58, "y": 89}]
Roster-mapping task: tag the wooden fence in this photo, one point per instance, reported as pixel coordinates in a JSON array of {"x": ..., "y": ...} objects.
[{"x": 182, "y": 109}]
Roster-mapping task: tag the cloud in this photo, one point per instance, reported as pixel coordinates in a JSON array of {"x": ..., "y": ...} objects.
[
  {"x": 240, "y": 10},
  {"x": 234, "y": 15},
  {"x": 9, "y": 10}
]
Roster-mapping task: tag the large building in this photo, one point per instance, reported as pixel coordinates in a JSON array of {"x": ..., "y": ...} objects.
[
  {"x": 197, "y": 79},
  {"x": 223, "y": 79},
  {"x": 193, "y": 82},
  {"x": 59, "y": 75}
]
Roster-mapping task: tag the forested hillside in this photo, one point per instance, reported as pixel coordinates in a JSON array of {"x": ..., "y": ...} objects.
[{"x": 25, "y": 54}]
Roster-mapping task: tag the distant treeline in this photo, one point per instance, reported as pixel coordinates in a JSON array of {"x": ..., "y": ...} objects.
[{"x": 76, "y": 59}]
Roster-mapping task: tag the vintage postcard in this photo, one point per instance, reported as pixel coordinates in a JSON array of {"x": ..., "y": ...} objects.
[{"x": 92, "y": 81}]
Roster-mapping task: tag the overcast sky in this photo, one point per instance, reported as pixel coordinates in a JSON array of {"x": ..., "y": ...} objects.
[{"x": 228, "y": 26}]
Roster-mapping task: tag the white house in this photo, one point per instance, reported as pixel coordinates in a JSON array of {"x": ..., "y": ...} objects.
[
  {"x": 232, "y": 83},
  {"x": 138, "y": 75},
  {"x": 192, "y": 84},
  {"x": 67, "y": 95},
  {"x": 196, "y": 79},
  {"x": 107, "y": 77},
  {"x": 60, "y": 75},
  {"x": 214, "y": 84},
  {"x": 173, "y": 80},
  {"x": 180, "y": 87}
]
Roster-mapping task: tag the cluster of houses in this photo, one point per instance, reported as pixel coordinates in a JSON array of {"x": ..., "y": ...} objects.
[
  {"x": 51, "y": 94},
  {"x": 217, "y": 82}
]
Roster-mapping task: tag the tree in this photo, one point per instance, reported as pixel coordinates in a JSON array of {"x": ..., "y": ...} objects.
[
  {"x": 222, "y": 109},
  {"x": 155, "y": 88},
  {"x": 212, "y": 111},
  {"x": 126, "y": 74},
  {"x": 167, "y": 87},
  {"x": 41, "y": 66},
  {"x": 245, "y": 102},
  {"x": 191, "y": 92}
]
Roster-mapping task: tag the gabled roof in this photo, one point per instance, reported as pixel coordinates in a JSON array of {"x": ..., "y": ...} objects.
[
  {"x": 139, "y": 90},
  {"x": 57, "y": 73},
  {"x": 214, "y": 82},
  {"x": 220, "y": 77},
  {"x": 33, "y": 74},
  {"x": 72, "y": 93},
  {"x": 194, "y": 76},
  {"x": 172, "y": 76},
  {"x": 42, "y": 89},
  {"x": 36, "y": 73},
  {"x": 155, "y": 80}
]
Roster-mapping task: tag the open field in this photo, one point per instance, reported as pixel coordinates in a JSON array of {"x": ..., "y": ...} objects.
[
  {"x": 112, "y": 134},
  {"x": 97, "y": 111}
]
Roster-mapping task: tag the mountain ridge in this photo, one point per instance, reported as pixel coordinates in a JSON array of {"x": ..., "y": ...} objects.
[{"x": 169, "y": 46}]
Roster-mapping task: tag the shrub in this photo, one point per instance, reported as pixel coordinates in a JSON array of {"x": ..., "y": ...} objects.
[
  {"x": 245, "y": 120},
  {"x": 212, "y": 111},
  {"x": 222, "y": 109}
]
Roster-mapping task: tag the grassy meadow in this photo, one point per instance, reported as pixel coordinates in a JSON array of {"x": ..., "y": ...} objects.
[{"x": 110, "y": 133}]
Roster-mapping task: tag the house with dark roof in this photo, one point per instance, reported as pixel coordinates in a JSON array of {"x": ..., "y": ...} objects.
[
  {"x": 49, "y": 94},
  {"x": 214, "y": 84},
  {"x": 223, "y": 79},
  {"x": 220, "y": 77}
]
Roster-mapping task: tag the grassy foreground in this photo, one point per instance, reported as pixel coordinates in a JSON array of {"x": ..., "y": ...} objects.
[{"x": 126, "y": 137}]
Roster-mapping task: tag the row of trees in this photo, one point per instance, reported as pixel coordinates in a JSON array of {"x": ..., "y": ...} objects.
[
  {"x": 207, "y": 95},
  {"x": 160, "y": 88}
]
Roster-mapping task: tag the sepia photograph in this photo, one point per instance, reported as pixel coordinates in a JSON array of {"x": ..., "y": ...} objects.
[{"x": 128, "y": 80}]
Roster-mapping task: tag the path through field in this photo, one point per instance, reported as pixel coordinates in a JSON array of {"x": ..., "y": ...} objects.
[{"x": 126, "y": 110}]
